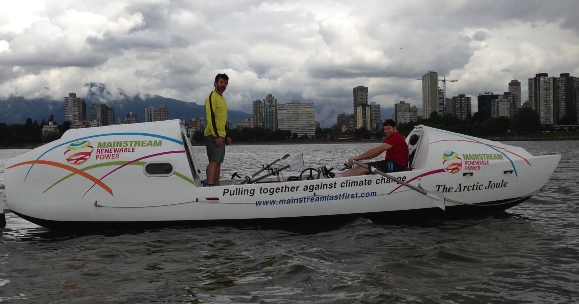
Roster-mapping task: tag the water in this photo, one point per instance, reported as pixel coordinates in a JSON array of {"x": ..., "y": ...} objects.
[{"x": 528, "y": 254}]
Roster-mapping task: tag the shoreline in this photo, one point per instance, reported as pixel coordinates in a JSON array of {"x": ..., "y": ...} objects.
[{"x": 336, "y": 142}]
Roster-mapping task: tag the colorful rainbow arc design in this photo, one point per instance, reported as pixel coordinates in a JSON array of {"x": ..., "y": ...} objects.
[
  {"x": 114, "y": 163},
  {"x": 133, "y": 161},
  {"x": 496, "y": 148},
  {"x": 81, "y": 143},
  {"x": 65, "y": 167},
  {"x": 92, "y": 178},
  {"x": 104, "y": 135}
]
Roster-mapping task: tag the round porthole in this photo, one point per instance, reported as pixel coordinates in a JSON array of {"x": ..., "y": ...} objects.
[{"x": 158, "y": 169}]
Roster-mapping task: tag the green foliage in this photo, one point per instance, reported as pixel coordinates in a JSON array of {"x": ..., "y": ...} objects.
[
  {"x": 526, "y": 121},
  {"x": 48, "y": 137},
  {"x": 336, "y": 131},
  {"x": 261, "y": 134},
  {"x": 28, "y": 134},
  {"x": 365, "y": 134}
]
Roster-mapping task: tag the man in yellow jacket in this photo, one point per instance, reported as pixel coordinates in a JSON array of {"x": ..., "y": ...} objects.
[{"x": 215, "y": 134}]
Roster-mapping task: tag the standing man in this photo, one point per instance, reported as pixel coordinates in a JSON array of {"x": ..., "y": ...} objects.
[
  {"x": 396, "y": 155},
  {"x": 215, "y": 133}
]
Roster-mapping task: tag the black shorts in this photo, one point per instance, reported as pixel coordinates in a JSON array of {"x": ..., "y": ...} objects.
[
  {"x": 387, "y": 166},
  {"x": 215, "y": 153}
]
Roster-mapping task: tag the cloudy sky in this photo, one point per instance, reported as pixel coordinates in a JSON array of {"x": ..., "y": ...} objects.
[{"x": 315, "y": 51}]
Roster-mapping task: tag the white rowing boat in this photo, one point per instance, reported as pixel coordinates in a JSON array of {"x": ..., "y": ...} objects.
[{"x": 146, "y": 174}]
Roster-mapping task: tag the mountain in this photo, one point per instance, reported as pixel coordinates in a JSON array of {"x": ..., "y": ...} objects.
[
  {"x": 178, "y": 109},
  {"x": 326, "y": 115},
  {"x": 15, "y": 110}
]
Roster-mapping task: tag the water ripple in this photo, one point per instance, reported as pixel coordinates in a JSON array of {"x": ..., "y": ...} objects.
[{"x": 528, "y": 254}]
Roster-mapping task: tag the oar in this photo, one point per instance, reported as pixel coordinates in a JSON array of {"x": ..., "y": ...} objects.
[
  {"x": 269, "y": 165},
  {"x": 437, "y": 196},
  {"x": 247, "y": 178},
  {"x": 296, "y": 164}
]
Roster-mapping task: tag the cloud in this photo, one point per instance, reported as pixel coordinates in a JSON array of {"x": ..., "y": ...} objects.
[
  {"x": 312, "y": 51},
  {"x": 45, "y": 45},
  {"x": 110, "y": 42},
  {"x": 480, "y": 36}
]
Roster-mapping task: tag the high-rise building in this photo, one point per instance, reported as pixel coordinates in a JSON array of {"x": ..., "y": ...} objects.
[
  {"x": 74, "y": 108},
  {"x": 346, "y": 121},
  {"x": 95, "y": 115},
  {"x": 110, "y": 116},
  {"x": 99, "y": 115},
  {"x": 515, "y": 88},
  {"x": 297, "y": 117},
  {"x": 342, "y": 119},
  {"x": 149, "y": 113},
  {"x": 485, "y": 103},
  {"x": 504, "y": 106},
  {"x": 160, "y": 114},
  {"x": 542, "y": 97},
  {"x": 375, "y": 116},
  {"x": 449, "y": 106},
  {"x": 566, "y": 100},
  {"x": 461, "y": 106},
  {"x": 360, "y": 94},
  {"x": 104, "y": 115},
  {"x": 430, "y": 94},
  {"x": 363, "y": 117},
  {"x": 258, "y": 110},
  {"x": 351, "y": 122},
  {"x": 441, "y": 102},
  {"x": 404, "y": 113},
  {"x": 270, "y": 112},
  {"x": 399, "y": 109}
]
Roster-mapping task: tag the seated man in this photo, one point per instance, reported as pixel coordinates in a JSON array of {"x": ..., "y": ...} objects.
[{"x": 396, "y": 155}]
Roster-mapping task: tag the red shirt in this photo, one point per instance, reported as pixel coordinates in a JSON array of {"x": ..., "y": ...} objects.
[{"x": 399, "y": 150}]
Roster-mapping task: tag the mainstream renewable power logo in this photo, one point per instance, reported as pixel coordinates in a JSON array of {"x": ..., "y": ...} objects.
[
  {"x": 452, "y": 161},
  {"x": 78, "y": 152}
]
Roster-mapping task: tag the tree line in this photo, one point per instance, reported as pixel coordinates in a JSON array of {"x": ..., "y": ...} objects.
[
  {"x": 29, "y": 133},
  {"x": 525, "y": 121},
  {"x": 259, "y": 134}
]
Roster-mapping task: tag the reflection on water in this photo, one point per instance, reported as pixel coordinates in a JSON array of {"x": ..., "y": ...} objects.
[{"x": 527, "y": 254}]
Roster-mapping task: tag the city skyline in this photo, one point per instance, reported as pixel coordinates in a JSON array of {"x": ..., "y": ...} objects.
[
  {"x": 175, "y": 49},
  {"x": 561, "y": 107}
]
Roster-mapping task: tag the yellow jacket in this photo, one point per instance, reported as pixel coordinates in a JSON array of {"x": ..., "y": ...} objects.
[{"x": 216, "y": 115}]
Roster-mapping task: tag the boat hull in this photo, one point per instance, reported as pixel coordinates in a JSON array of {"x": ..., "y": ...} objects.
[{"x": 417, "y": 216}]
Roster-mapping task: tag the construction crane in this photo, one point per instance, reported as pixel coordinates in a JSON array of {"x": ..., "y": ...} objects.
[{"x": 444, "y": 80}]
